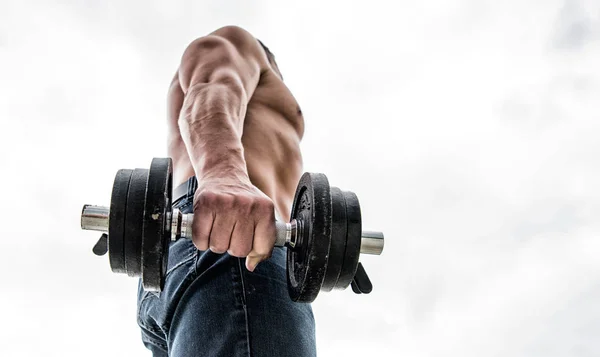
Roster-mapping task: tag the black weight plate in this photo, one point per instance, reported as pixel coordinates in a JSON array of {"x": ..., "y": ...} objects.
[
  {"x": 307, "y": 261},
  {"x": 353, "y": 241},
  {"x": 116, "y": 220},
  {"x": 134, "y": 222},
  {"x": 157, "y": 233},
  {"x": 338, "y": 239}
]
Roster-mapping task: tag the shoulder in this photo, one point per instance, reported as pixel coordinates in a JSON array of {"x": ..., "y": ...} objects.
[
  {"x": 237, "y": 36},
  {"x": 228, "y": 40},
  {"x": 229, "y": 53}
]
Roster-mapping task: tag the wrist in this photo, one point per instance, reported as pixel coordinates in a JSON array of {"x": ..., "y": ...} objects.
[{"x": 224, "y": 164}]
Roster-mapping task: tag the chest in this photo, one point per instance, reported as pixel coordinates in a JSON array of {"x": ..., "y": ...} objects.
[{"x": 273, "y": 101}]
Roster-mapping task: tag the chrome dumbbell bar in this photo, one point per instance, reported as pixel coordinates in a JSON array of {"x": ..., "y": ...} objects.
[{"x": 95, "y": 218}]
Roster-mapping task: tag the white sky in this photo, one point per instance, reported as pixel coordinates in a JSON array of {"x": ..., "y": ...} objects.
[{"x": 468, "y": 129}]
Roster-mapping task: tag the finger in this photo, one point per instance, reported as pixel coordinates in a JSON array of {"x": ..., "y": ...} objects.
[
  {"x": 263, "y": 243},
  {"x": 240, "y": 244},
  {"x": 202, "y": 227},
  {"x": 220, "y": 234},
  {"x": 252, "y": 261}
]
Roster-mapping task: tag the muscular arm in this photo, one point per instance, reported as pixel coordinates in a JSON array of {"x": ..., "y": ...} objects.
[
  {"x": 216, "y": 78},
  {"x": 217, "y": 75}
]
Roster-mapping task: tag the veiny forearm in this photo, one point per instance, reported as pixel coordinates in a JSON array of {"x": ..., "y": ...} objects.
[{"x": 211, "y": 124}]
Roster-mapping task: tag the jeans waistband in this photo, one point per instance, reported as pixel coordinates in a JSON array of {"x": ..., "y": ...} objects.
[{"x": 185, "y": 190}]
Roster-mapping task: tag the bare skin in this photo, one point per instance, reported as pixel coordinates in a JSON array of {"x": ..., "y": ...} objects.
[{"x": 235, "y": 125}]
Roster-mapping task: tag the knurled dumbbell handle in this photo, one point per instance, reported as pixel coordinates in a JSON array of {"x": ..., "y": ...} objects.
[{"x": 96, "y": 218}]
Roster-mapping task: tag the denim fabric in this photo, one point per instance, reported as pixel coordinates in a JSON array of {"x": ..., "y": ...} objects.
[{"x": 212, "y": 306}]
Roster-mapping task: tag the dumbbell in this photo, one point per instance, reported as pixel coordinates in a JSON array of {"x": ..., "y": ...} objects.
[{"x": 324, "y": 237}]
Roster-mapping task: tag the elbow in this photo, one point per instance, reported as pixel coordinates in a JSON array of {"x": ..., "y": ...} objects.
[
  {"x": 212, "y": 101},
  {"x": 221, "y": 80},
  {"x": 224, "y": 91}
]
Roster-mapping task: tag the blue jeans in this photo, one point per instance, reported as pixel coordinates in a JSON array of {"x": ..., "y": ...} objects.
[{"x": 212, "y": 306}]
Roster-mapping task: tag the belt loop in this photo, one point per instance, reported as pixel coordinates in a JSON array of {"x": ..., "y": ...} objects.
[
  {"x": 185, "y": 190},
  {"x": 192, "y": 186}
]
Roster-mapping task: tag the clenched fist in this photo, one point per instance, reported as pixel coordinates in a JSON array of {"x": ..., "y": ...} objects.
[{"x": 234, "y": 216}]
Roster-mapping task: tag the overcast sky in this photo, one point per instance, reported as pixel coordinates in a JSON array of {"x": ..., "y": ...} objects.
[{"x": 468, "y": 129}]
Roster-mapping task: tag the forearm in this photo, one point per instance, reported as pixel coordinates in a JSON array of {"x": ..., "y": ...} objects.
[{"x": 211, "y": 124}]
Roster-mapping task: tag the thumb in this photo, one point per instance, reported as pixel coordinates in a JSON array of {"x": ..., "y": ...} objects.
[{"x": 252, "y": 262}]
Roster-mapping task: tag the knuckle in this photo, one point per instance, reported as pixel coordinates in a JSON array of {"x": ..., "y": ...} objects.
[
  {"x": 268, "y": 204},
  {"x": 243, "y": 203},
  {"x": 234, "y": 253},
  {"x": 215, "y": 200},
  {"x": 264, "y": 205},
  {"x": 217, "y": 248},
  {"x": 239, "y": 252},
  {"x": 226, "y": 201},
  {"x": 206, "y": 198},
  {"x": 199, "y": 244}
]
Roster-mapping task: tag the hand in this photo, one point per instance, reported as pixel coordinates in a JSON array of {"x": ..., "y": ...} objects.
[{"x": 232, "y": 215}]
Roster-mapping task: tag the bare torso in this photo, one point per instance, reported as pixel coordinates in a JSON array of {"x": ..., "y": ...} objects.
[{"x": 273, "y": 128}]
